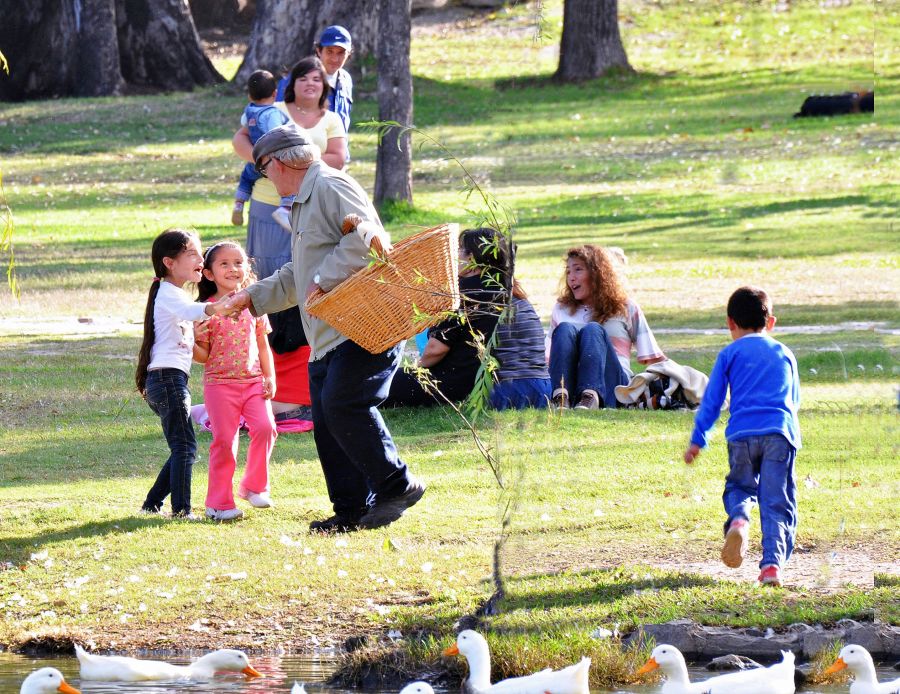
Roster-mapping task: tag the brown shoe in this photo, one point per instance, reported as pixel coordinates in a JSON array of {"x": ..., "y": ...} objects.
[
  {"x": 237, "y": 217},
  {"x": 589, "y": 401},
  {"x": 560, "y": 399},
  {"x": 737, "y": 539}
]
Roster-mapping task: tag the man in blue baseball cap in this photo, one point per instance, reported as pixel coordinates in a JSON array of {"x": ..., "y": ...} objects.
[{"x": 334, "y": 48}]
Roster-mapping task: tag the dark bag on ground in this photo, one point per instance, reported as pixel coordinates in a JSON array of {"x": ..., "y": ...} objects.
[
  {"x": 287, "y": 331},
  {"x": 837, "y": 104}
]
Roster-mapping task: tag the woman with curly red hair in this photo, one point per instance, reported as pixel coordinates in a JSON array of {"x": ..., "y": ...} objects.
[{"x": 594, "y": 326}]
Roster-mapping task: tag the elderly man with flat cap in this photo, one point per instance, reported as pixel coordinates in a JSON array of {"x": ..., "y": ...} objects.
[{"x": 369, "y": 486}]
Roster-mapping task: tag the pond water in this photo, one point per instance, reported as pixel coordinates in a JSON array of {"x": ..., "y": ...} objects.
[{"x": 280, "y": 673}]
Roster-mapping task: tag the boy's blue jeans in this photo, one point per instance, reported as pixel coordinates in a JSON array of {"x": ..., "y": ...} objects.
[
  {"x": 762, "y": 470},
  {"x": 583, "y": 360},
  {"x": 168, "y": 396}
]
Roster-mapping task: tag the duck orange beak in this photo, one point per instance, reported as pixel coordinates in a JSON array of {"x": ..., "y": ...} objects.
[
  {"x": 649, "y": 666},
  {"x": 250, "y": 671},
  {"x": 67, "y": 689},
  {"x": 838, "y": 665},
  {"x": 453, "y": 650}
]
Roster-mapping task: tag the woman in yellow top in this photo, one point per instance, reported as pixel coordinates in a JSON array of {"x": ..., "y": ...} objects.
[{"x": 269, "y": 226}]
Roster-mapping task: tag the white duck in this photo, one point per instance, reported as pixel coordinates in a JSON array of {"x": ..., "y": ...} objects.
[
  {"x": 298, "y": 688},
  {"x": 776, "y": 679},
  {"x": 117, "y": 668},
  {"x": 472, "y": 645},
  {"x": 47, "y": 680},
  {"x": 858, "y": 660},
  {"x": 417, "y": 688}
]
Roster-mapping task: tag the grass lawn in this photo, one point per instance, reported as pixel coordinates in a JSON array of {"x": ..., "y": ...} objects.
[{"x": 693, "y": 165}]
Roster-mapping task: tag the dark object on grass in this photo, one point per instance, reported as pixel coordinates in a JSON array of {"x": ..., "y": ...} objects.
[
  {"x": 731, "y": 662},
  {"x": 837, "y": 104}
]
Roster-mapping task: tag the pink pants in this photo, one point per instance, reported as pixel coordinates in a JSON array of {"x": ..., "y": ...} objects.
[{"x": 225, "y": 403}]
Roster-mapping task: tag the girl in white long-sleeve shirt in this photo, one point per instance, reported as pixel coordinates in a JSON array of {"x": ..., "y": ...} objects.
[{"x": 164, "y": 362}]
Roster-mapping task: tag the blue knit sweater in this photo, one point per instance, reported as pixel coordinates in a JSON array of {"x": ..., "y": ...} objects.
[{"x": 761, "y": 374}]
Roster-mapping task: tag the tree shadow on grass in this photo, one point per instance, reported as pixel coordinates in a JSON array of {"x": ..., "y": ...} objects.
[
  {"x": 593, "y": 586},
  {"x": 18, "y": 550},
  {"x": 708, "y": 227}
]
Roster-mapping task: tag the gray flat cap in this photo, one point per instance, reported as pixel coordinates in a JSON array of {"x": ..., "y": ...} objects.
[{"x": 282, "y": 137}]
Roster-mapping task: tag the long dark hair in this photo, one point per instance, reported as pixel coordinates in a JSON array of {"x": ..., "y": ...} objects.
[
  {"x": 169, "y": 244},
  {"x": 207, "y": 287},
  {"x": 494, "y": 256},
  {"x": 304, "y": 66}
]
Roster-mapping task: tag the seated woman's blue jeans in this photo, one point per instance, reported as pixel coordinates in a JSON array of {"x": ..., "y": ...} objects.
[
  {"x": 168, "y": 396},
  {"x": 584, "y": 359},
  {"x": 519, "y": 393}
]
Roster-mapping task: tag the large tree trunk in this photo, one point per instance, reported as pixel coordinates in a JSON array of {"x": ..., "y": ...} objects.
[
  {"x": 87, "y": 47},
  {"x": 159, "y": 45},
  {"x": 38, "y": 38},
  {"x": 393, "y": 170},
  {"x": 591, "y": 44},
  {"x": 99, "y": 73},
  {"x": 209, "y": 14},
  {"x": 284, "y": 31}
]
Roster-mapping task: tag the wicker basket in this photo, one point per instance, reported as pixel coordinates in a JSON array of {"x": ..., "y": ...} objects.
[{"x": 391, "y": 301}]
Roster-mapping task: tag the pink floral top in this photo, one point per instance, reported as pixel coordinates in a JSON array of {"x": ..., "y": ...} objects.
[{"x": 233, "y": 347}]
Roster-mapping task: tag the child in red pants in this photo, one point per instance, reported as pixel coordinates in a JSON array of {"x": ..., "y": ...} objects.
[{"x": 238, "y": 381}]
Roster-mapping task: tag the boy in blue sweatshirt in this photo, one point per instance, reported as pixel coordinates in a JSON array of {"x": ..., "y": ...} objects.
[{"x": 763, "y": 432}]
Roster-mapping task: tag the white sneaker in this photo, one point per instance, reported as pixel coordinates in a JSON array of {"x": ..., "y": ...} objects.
[
  {"x": 283, "y": 216},
  {"x": 261, "y": 500},
  {"x": 227, "y": 514}
]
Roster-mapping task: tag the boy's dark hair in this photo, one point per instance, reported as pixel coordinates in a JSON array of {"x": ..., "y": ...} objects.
[
  {"x": 261, "y": 85},
  {"x": 749, "y": 308},
  {"x": 169, "y": 244}
]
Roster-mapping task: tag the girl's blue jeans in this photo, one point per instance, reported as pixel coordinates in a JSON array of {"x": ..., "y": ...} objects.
[
  {"x": 168, "y": 396},
  {"x": 583, "y": 360},
  {"x": 762, "y": 471}
]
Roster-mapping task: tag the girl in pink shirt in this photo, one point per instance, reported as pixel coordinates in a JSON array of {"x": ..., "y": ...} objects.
[{"x": 238, "y": 381}]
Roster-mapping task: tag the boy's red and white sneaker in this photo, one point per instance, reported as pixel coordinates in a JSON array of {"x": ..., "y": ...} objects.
[
  {"x": 737, "y": 540},
  {"x": 770, "y": 576}
]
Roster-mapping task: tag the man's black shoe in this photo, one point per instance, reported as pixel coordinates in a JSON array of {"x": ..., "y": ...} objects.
[
  {"x": 384, "y": 512},
  {"x": 335, "y": 524}
]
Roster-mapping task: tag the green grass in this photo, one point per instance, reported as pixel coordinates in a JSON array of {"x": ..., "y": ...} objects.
[{"x": 693, "y": 165}]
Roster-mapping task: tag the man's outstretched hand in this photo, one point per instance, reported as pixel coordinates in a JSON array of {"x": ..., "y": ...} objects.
[{"x": 235, "y": 303}]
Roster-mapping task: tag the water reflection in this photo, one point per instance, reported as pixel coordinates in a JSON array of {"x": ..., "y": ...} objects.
[{"x": 280, "y": 675}]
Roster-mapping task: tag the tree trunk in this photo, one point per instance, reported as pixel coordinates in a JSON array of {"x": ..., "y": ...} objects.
[
  {"x": 393, "y": 171},
  {"x": 38, "y": 38},
  {"x": 159, "y": 45},
  {"x": 99, "y": 73},
  {"x": 218, "y": 14},
  {"x": 284, "y": 31},
  {"x": 591, "y": 44}
]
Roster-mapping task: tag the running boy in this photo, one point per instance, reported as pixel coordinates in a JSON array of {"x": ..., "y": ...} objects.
[
  {"x": 260, "y": 116},
  {"x": 763, "y": 432}
]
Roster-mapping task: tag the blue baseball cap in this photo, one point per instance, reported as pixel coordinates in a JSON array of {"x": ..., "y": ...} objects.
[{"x": 335, "y": 35}]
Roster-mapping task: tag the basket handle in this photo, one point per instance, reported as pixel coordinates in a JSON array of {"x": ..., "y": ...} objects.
[{"x": 351, "y": 221}]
